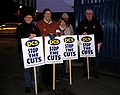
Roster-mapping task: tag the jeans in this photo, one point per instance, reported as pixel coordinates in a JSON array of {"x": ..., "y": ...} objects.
[{"x": 28, "y": 75}]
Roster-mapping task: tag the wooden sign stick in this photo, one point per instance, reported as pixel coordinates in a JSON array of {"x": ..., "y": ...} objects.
[
  {"x": 88, "y": 70},
  {"x": 35, "y": 79},
  {"x": 53, "y": 76},
  {"x": 70, "y": 72}
]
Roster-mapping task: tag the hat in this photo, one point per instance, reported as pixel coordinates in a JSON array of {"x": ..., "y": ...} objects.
[
  {"x": 27, "y": 11},
  {"x": 65, "y": 15},
  {"x": 45, "y": 10}
]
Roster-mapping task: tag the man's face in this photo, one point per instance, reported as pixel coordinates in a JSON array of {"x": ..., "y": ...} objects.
[
  {"x": 28, "y": 19},
  {"x": 47, "y": 15},
  {"x": 89, "y": 15}
]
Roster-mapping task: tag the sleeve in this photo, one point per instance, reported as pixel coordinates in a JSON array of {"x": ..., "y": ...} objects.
[
  {"x": 18, "y": 38},
  {"x": 18, "y": 33},
  {"x": 80, "y": 29},
  {"x": 37, "y": 30},
  {"x": 71, "y": 29}
]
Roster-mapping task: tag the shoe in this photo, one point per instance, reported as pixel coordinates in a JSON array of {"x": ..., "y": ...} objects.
[
  {"x": 27, "y": 89},
  {"x": 96, "y": 76}
]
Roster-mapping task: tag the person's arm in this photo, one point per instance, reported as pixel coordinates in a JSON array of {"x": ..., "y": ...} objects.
[
  {"x": 71, "y": 29},
  {"x": 80, "y": 29},
  {"x": 100, "y": 36},
  {"x": 36, "y": 32}
]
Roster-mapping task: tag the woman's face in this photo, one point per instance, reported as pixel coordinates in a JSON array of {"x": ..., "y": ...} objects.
[
  {"x": 62, "y": 23},
  {"x": 47, "y": 15}
]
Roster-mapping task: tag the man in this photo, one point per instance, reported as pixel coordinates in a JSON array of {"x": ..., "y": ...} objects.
[
  {"x": 90, "y": 25},
  {"x": 47, "y": 27},
  {"x": 27, "y": 30}
]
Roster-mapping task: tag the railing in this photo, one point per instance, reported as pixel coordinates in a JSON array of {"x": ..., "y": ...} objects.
[{"x": 108, "y": 12}]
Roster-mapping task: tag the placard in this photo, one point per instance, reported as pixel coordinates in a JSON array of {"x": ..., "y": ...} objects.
[
  {"x": 70, "y": 47},
  {"x": 53, "y": 50},
  {"x": 32, "y": 52},
  {"x": 87, "y": 45}
]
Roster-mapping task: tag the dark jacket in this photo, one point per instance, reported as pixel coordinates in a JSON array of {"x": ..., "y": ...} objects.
[
  {"x": 91, "y": 27},
  {"x": 23, "y": 31}
]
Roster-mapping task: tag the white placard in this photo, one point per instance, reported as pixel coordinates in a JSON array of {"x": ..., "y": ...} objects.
[
  {"x": 70, "y": 47},
  {"x": 53, "y": 50},
  {"x": 87, "y": 45},
  {"x": 32, "y": 52}
]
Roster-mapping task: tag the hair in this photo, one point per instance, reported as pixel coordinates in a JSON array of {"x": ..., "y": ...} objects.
[
  {"x": 60, "y": 20},
  {"x": 89, "y": 10},
  {"x": 45, "y": 10},
  {"x": 65, "y": 15}
]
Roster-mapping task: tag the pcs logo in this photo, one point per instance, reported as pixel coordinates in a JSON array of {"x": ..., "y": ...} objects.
[
  {"x": 32, "y": 43},
  {"x": 86, "y": 39},
  {"x": 54, "y": 42},
  {"x": 69, "y": 40}
]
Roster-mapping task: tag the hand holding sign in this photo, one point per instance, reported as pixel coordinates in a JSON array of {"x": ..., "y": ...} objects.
[
  {"x": 84, "y": 33},
  {"x": 32, "y": 35},
  {"x": 99, "y": 46}
]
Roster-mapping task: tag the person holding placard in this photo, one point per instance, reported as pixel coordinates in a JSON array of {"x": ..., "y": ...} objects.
[
  {"x": 27, "y": 30},
  {"x": 90, "y": 25},
  {"x": 47, "y": 27},
  {"x": 68, "y": 31}
]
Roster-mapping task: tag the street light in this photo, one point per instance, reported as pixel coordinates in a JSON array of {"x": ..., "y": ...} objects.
[
  {"x": 36, "y": 14},
  {"x": 18, "y": 12}
]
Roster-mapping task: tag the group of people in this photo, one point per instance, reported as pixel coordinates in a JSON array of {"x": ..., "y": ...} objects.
[{"x": 48, "y": 27}]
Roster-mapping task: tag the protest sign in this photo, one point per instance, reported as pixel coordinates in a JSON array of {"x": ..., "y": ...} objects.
[
  {"x": 32, "y": 52},
  {"x": 53, "y": 50},
  {"x": 87, "y": 45},
  {"x": 70, "y": 48}
]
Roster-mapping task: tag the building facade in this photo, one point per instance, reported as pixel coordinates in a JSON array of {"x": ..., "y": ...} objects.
[{"x": 12, "y": 10}]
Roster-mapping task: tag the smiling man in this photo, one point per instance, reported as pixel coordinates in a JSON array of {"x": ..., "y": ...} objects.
[{"x": 90, "y": 25}]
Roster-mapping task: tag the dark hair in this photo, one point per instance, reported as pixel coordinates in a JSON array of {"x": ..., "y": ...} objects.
[{"x": 45, "y": 10}]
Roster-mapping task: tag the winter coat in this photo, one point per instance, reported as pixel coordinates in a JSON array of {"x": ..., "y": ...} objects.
[{"x": 23, "y": 31}]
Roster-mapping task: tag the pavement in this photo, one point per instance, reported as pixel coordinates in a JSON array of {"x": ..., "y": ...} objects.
[{"x": 11, "y": 82}]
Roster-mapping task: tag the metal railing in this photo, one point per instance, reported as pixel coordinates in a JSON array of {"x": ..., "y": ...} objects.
[{"x": 108, "y": 13}]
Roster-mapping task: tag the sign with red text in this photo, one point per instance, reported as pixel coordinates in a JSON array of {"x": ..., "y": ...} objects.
[{"x": 32, "y": 52}]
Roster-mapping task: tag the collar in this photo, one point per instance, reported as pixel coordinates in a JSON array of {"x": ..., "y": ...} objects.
[{"x": 47, "y": 21}]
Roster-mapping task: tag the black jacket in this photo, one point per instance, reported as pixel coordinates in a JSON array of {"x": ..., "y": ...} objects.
[
  {"x": 23, "y": 31},
  {"x": 91, "y": 27}
]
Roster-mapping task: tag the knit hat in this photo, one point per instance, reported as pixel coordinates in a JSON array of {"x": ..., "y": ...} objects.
[
  {"x": 27, "y": 11},
  {"x": 65, "y": 15},
  {"x": 45, "y": 10}
]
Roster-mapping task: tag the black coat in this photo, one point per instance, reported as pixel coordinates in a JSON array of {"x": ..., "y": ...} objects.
[
  {"x": 91, "y": 27},
  {"x": 23, "y": 31}
]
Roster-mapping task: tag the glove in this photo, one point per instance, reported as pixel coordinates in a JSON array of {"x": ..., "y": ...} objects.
[
  {"x": 52, "y": 36},
  {"x": 58, "y": 34}
]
